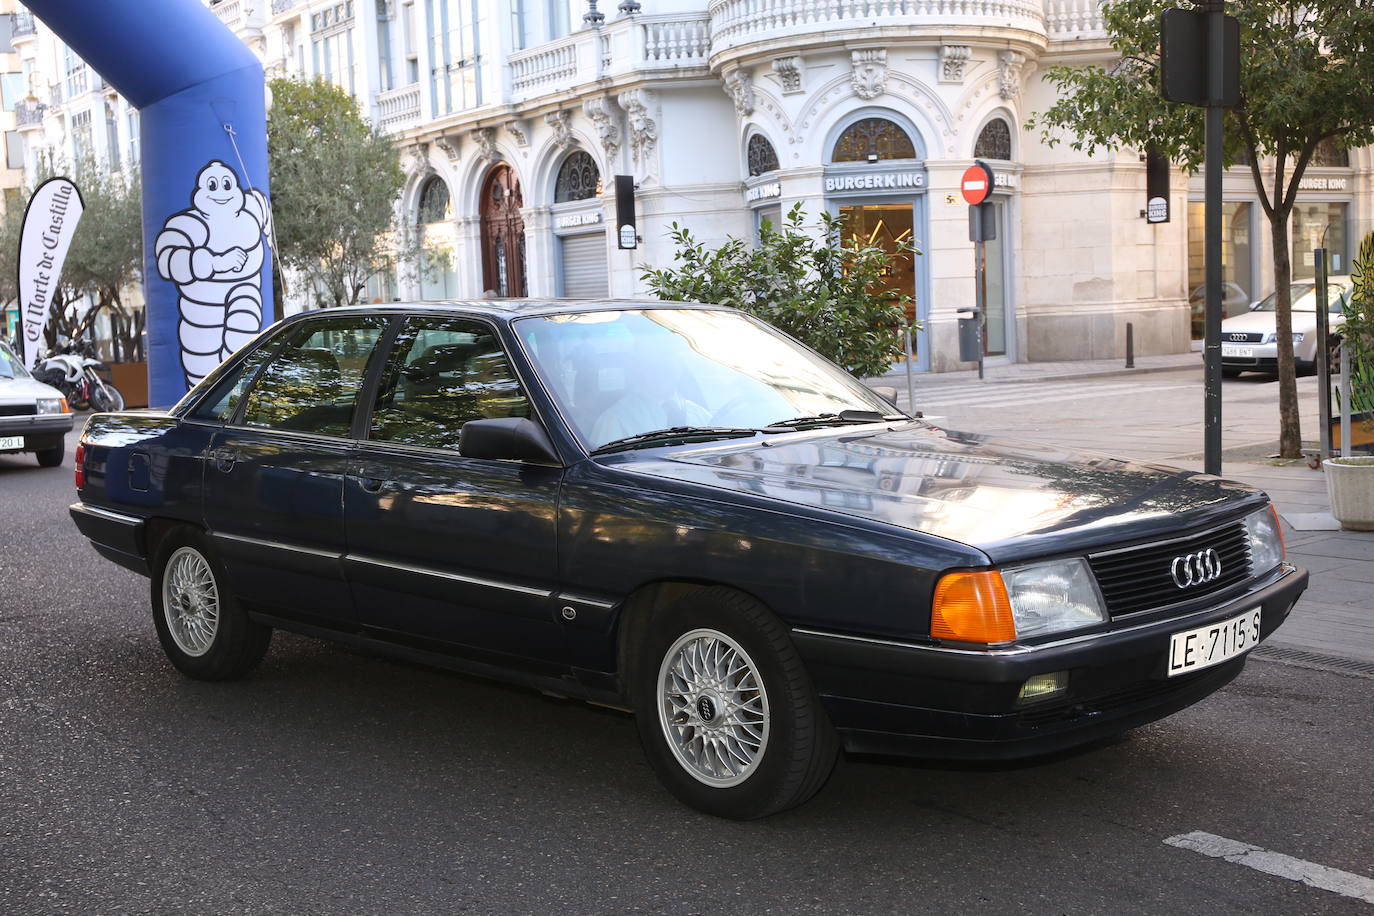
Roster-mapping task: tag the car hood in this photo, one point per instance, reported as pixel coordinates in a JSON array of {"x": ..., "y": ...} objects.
[
  {"x": 1009, "y": 499},
  {"x": 25, "y": 390}
]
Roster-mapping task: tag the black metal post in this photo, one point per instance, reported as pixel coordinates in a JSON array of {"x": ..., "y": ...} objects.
[
  {"x": 1216, "y": 56},
  {"x": 1130, "y": 345},
  {"x": 980, "y": 258},
  {"x": 1321, "y": 354}
]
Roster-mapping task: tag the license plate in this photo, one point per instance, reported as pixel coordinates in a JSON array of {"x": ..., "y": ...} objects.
[
  {"x": 11, "y": 443},
  {"x": 1212, "y": 645},
  {"x": 1239, "y": 352}
]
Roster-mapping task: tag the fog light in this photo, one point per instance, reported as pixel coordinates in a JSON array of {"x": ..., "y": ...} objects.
[{"x": 1043, "y": 687}]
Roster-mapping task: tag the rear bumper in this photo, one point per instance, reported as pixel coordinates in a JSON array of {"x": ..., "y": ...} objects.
[
  {"x": 930, "y": 701},
  {"x": 114, "y": 535}
]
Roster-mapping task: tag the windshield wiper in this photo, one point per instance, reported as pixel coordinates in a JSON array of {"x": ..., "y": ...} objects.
[
  {"x": 682, "y": 433},
  {"x": 843, "y": 418}
]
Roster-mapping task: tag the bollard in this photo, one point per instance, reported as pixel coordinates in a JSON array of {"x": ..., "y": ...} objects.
[{"x": 1130, "y": 345}]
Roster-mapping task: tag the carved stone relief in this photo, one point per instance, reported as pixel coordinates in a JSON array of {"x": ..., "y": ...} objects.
[
  {"x": 953, "y": 60},
  {"x": 739, "y": 85},
  {"x": 868, "y": 77},
  {"x": 485, "y": 138},
  {"x": 520, "y": 131},
  {"x": 1009, "y": 76},
  {"x": 637, "y": 104},
  {"x": 602, "y": 115},
  {"x": 788, "y": 70},
  {"x": 560, "y": 123}
]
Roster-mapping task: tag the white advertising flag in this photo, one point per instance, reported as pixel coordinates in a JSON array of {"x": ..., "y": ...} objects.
[{"x": 49, "y": 224}]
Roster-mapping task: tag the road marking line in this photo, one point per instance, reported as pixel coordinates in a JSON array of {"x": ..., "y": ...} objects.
[{"x": 1277, "y": 864}]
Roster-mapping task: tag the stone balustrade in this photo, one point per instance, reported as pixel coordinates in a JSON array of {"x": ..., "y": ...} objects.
[
  {"x": 1074, "y": 20},
  {"x": 398, "y": 109}
]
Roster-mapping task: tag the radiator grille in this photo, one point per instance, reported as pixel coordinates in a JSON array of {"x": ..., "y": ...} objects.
[
  {"x": 1139, "y": 579},
  {"x": 17, "y": 410},
  {"x": 1242, "y": 337}
]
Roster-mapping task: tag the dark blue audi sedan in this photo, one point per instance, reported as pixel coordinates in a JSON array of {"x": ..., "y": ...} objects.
[{"x": 677, "y": 510}]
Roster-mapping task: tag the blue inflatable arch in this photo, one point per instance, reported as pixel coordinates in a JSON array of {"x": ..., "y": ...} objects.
[{"x": 206, "y": 214}]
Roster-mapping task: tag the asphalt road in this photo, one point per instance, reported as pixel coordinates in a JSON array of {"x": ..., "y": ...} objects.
[{"x": 333, "y": 781}]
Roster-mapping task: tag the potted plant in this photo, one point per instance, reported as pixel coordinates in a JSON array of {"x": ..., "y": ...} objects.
[{"x": 1350, "y": 481}]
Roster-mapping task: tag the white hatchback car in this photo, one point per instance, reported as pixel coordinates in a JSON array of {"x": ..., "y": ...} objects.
[
  {"x": 33, "y": 417},
  {"x": 1249, "y": 340}
]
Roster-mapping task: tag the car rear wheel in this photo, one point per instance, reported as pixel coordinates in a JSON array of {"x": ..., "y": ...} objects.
[
  {"x": 203, "y": 630},
  {"x": 726, "y": 713},
  {"x": 51, "y": 457}
]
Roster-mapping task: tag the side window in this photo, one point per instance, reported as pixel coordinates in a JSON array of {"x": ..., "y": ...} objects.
[
  {"x": 312, "y": 384},
  {"x": 221, "y": 403},
  {"x": 443, "y": 372}
]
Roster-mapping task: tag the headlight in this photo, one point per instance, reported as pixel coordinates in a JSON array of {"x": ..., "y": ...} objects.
[
  {"x": 1271, "y": 337},
  {"x": 1266, "y": 540},
  {"x": 50, "y": 405},
  {"x": 1297, "y": 338},
  {"x": 1054, "y": 596}
]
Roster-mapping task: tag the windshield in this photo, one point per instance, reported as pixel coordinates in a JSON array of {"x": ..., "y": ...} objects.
[
  {"x": 621, "y": 373},
  {"x": 10, "y": 365},
  {"x": 1304, "y": 297}
]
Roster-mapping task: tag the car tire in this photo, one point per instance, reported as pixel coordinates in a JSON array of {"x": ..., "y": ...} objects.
[
  {"x": 51, "y": 457},
  {"x": 203, "y": 629},
  {"x": 726, "y": 713}
]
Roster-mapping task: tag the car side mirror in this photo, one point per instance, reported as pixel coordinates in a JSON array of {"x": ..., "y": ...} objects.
[
  {"x": 511, "y": 438},
  {"x": 886, "y": 392}
]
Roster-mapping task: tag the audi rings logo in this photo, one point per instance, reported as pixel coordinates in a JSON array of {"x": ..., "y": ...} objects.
[
  {"x": 1196, "y": 568},
  {"x": 1238, "y": 337}
]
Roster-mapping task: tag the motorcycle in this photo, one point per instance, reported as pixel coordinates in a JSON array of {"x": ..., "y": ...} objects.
[{"x": 79, "y": 379}]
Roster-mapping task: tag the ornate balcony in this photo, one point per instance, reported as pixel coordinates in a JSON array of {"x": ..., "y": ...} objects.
[
  {"x": 29, "y": 114},
  {"x": 673, "y": 43},
  {"x": 741, "y": 25},
  {"x": 1074, "y": 20},
  {"x": 398, "y": 109},
  {"x": 24, "y": 25}
]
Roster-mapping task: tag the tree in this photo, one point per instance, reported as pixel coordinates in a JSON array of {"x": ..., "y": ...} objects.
[
  {"x": 335, "y": 180},
  {"x": 1307, "y": 76},
  {"x": 106, "y": 257},
  {"x": 829, "y": 295}
]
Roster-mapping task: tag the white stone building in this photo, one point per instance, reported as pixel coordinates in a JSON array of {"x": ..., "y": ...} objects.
[{"x": 512, "y": 116}]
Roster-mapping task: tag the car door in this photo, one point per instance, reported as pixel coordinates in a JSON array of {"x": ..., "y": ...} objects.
[
  {"x": 274, "y": 472},
  {"x": 442, "y": 547}
]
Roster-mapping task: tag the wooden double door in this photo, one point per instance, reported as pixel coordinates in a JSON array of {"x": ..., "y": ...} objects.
[{"x": 503, "y": 233}]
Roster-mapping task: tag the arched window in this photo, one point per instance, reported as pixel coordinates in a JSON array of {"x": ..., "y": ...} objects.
[
  {"x": 761, "y": 156},
  {"x": 994, "y": 142},
  {"x": 435, "y": 205},
  {"x": 872, "y": 139},
  {"x": 1330, "y": 155},
  {"x": 578, "y": 178}
]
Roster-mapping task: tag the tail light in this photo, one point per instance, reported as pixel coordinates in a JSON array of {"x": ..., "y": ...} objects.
[{"x": 80, "y": 463}]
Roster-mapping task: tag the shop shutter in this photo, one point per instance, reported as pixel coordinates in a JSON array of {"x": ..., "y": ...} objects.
[{"x": 585, "y": 275}]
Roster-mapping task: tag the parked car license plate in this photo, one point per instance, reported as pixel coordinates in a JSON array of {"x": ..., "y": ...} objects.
[
  {"x": 10, "y": 443},
  {"x": 1212, "y": 645},
  {"x": 1239, "y": 352}
]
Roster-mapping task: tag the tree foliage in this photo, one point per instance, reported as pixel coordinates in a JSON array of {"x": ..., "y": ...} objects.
[
  {"x": 828, "y": 294},
  {"x": 1357, "y": 334},
  {"x": 1306, "y": 76},
  {"x": 335, "y": 180}
]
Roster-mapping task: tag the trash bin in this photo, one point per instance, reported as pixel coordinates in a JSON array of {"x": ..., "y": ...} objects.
[{"x": 969, "y": 344}]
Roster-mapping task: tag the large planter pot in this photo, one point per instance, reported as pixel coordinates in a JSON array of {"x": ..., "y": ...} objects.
[
  {"x": 1350, "y": 484},
  {"x": 132, "y": 381}
]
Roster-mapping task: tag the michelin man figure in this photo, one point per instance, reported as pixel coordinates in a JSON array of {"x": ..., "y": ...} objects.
[{"x": 214, "y": 253}]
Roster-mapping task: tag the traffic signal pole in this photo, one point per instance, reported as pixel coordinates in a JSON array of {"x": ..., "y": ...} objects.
[{"x": 1216, "y": 70}]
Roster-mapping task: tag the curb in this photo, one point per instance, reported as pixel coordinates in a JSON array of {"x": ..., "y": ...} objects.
[{"x": 1091, "y": 373}]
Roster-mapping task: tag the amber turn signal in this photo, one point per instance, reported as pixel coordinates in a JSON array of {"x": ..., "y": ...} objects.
[
  {"x": 1278, "y": 526},
  {"x": 66, "y": 408},
  {"x": 972, "y": 607}
]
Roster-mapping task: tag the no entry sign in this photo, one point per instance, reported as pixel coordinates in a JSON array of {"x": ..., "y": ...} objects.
[{"x": 976, "y": 184}]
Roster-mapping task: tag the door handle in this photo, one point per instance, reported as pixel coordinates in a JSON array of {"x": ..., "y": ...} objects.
[
  {"x": 372, "y": 477},
  {"x": 224, "y": 459}
]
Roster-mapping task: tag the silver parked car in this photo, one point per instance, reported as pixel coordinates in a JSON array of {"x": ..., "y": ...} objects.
[
  {"x": 33, "y": 417},
  {"x": 1249, "y": 341}
]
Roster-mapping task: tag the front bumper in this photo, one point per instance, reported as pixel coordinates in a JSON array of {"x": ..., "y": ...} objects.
[
  {"x": 40, "y": 431},
  {"x": 932, "y": 701}
]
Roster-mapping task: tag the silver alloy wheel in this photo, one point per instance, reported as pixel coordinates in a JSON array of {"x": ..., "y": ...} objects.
[
  {"x": 713, "y": 708},
  {"x": 190, "y": 601}
]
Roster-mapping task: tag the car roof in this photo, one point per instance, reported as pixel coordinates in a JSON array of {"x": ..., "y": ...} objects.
[{"x": 510, "y": 309}]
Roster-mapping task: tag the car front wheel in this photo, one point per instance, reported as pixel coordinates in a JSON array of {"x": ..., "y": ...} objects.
[
  {"x": 203, "y": 630},
  {"x": 726, "y": 713}
]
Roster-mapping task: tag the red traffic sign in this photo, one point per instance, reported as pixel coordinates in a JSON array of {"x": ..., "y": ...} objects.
[{"x": 976, "y": 184}]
